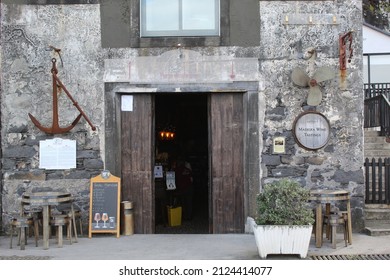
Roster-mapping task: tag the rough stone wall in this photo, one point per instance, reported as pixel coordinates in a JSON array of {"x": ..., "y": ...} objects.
[
  {"x": 26, "y": 88},
  {"x": 27, "y": 32},
  {"x": 284, "y": 47}
]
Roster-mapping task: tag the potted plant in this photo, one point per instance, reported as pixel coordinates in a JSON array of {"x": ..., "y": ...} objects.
[{"x": 284, "y": 222}]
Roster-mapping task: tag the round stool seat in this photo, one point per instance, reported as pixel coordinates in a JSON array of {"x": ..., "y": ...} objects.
[{"x": 21, "y": 221}]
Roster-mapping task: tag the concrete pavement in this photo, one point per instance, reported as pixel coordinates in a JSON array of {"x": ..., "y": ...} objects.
[{"x": 180, "y": 247}]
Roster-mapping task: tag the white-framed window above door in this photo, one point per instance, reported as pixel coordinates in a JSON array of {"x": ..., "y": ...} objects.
[{"x": 170, "y": 18}]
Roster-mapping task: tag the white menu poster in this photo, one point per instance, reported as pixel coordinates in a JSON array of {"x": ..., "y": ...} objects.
[{"x": 57, "y": 153}]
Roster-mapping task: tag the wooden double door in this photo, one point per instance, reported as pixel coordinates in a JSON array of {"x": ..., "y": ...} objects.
[{"x": 226, "y": 161}]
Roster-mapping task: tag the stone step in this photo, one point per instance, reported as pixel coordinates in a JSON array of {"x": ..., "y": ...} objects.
[
  {"x": 371, "y": 131},
  {"x": 376, "y": 146},
  {"x": 372, "y": 144},
  {"x": 384, "y": 153},
  {"x": 377, "y": 223},
  {"x": 376, "y": 153},
  {"x": 377, "y": 219},
  {"x": 375, "y": 139},
  {"x": 376, "y": 206},
  {"x": 374, "y": 231},
  {"x": 377, "y": 214}
]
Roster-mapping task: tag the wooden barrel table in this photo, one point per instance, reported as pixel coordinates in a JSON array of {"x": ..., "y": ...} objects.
[
  {"x": 46, "y": 200},
  {"x": 328, "y": 196}
]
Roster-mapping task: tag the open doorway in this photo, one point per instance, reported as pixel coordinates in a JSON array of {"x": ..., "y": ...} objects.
[
  {"x": 186, "y": 116},
  {"x": 223, "y": 157}
]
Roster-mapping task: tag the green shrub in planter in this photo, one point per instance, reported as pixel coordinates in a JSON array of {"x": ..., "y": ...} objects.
[{"x": 284, "y": 202}]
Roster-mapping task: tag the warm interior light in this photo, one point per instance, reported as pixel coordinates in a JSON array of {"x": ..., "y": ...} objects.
[{"x": 167, "y": 134}]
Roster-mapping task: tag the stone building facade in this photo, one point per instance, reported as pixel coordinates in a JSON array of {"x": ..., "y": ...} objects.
[{"x": 104, "y": 57}]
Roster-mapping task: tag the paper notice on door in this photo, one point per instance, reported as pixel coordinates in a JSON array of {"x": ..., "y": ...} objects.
[
  {"x": 127, "y": 103},
  {"x": 158, "y": 171},
  {"x": 170, "y": 180}
]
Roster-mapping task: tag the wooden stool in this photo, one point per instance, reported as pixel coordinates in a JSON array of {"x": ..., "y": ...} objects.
[
  {"x": 334, "y": 221},
  {"x": 22, "y": 223},
  {"x": 75, "y": 215},
  {"x": 76, "y": 219},
  {"x": 59, "y": 221},
  {"x": 344, "y": 215},
  {"x": 36, "y": 215}
]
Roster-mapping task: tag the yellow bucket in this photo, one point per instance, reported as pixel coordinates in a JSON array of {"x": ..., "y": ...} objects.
[{"x": 174, "y": 216}]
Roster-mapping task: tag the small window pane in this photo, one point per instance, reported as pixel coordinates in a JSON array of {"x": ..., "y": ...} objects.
[
  {"x": 161, "y": 15},
  {"x": 199, "y": 14},
  {"x": 179, "y": 18}
]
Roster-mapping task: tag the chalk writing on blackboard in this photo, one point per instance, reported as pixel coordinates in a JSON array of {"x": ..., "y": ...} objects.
[{"x": 104, "y": 205}]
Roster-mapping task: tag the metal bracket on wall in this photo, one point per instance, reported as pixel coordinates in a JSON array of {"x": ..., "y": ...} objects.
[
  {"x": 55, "y": 128},
  {"x": 343, "y": 41},
  {"x": 345, "y": 46}
]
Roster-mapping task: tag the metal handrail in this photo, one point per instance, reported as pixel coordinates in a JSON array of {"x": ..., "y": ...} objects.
[{"x": 375, "y": 89}]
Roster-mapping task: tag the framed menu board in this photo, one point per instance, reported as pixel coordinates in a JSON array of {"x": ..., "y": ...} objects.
[{"x": 104, "y": 204}]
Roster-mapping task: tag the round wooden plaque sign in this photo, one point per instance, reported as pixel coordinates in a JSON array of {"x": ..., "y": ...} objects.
[{"x": 311, "y": 130}]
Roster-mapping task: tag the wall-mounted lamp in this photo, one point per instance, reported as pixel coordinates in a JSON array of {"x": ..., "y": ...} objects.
[{"x": 167, "y": 134}]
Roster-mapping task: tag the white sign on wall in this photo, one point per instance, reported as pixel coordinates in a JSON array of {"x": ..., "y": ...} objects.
[
  {"x": 181, "y": 66},
  {"x": 57, "y": 153},
  {"x": 311, "y": 130}
]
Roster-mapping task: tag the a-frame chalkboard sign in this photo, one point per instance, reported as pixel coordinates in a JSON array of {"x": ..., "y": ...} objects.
[{"x": 104, "y": 207}]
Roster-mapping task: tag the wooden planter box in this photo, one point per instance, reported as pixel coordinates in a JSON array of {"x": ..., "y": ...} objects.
[{"x": 282, "y": 239}]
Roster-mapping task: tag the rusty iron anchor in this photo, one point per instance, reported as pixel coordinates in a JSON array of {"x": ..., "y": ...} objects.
[{"x": 55, "y": 128}]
